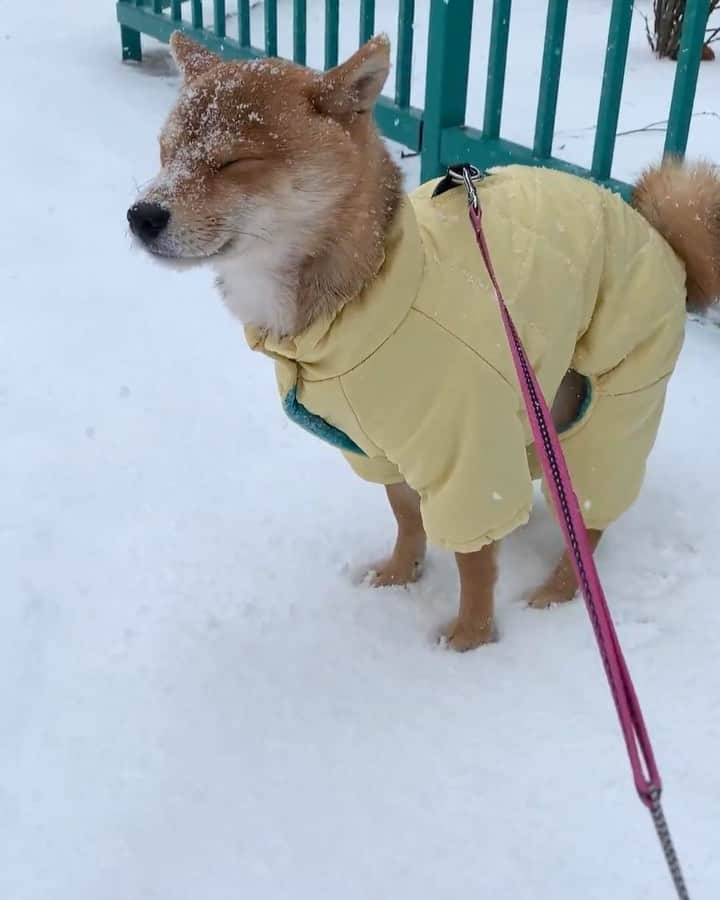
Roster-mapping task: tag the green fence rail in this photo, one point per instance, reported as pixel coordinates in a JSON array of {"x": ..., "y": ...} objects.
[{"x": 439, "y": 132}]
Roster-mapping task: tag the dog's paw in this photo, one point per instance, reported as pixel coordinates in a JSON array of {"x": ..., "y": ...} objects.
[
  {"x": 462, "y": 636},
  {"x": 550, "y": 595},
  {"x": 395, "y": 572}
]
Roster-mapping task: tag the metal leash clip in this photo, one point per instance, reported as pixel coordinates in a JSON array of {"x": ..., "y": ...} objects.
[
  {"x": 467, "y": 174},
  {"x": 460, "y": 173}
]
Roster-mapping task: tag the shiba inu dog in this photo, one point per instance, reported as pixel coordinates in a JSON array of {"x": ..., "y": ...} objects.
[{"x": 378, "y": 313}]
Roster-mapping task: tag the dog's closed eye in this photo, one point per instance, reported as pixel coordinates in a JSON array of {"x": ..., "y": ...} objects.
[{"x": 241, "y": 161}]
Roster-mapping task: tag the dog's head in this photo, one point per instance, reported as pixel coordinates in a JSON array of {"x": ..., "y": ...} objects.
[{"x": 256, "y": 151}]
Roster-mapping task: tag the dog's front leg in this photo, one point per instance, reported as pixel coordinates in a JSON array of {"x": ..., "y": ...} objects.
[
  {"x": 405, "y": 564},
  {"x": 561, "y": 586},
  {"x": 474, "y": 623}
]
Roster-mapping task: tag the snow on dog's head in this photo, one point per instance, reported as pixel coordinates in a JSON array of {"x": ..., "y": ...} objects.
[{"x": 256, "y": 160}]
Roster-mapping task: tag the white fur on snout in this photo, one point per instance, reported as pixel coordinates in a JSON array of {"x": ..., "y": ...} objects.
[
  {"x": 189, "y": 244},
  {"x": 175, "y": 263}
]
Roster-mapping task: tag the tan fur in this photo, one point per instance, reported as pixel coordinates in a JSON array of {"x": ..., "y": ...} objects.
[
  {"x": 561, "y": 586},
  {"x": 682, "y": 201},
  {"x": 474, "y": 624},
  {"x": 404, "y": 566}
]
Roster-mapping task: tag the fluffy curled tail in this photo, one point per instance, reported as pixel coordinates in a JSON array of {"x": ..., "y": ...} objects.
[{"x": 682, "y": 201}]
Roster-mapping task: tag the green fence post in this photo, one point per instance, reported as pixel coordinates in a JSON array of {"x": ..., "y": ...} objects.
[
  {"x": 612, "y": 85},
  {"x": 403, "y": 76},
  {"x": 300, "y": 31},
  {"x": 244, "y": 23},
  {"x": 367, "y": 20},
  {"x": 686, "y": 76},
  {"x": 332, "y": 26},
  {"x": 196, "y": 13},
  {"x": 497, "y": 62},
  {"x": 130, "y": 41},
  {"x": 550, "y": 77},
  {"x": 131, "y": 46},
  {"x": 271, "y": 27},
  {"x": 219, "y": 17},
  {"x": 448, "y": 63}
]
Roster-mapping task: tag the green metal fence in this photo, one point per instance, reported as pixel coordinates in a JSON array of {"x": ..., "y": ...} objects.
[
  {"x": 159, "y": 18},
  {"x": 439, "y": 131}
]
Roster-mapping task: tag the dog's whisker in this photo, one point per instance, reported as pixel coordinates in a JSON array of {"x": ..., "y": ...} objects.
[
  {"x": 140, "y": 185},
  {"x": 237, "y": 232}
]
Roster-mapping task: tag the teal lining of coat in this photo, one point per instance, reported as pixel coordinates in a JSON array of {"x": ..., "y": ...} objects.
[
  {"x": 316, "y": 425},
  {"x": 584, "y": 406}
]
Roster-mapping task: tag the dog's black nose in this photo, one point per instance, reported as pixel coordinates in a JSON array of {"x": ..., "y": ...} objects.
[{"x": 147, "y": 220}]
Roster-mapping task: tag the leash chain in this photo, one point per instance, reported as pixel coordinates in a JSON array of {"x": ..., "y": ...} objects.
[{"x": 668, "y": 847}]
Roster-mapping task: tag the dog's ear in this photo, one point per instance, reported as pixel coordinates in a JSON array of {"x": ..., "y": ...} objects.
[
  {"x": 354, "y": 86},
  {"x": 192, "y": 59}
]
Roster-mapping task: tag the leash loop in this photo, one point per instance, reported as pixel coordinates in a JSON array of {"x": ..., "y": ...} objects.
[{"x": 552, "y": 460}]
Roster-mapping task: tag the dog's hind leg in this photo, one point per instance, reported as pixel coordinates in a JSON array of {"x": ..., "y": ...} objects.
[{"x": 561, "y": 586}]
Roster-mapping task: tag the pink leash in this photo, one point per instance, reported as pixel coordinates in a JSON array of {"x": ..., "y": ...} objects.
[{"x": 557, "y": 477}]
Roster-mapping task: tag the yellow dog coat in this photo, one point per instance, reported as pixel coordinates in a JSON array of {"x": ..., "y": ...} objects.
[{"x": 413, "y": 378}]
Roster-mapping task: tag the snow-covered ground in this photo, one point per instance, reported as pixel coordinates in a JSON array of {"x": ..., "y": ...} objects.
[{"x": 197, "y": 700}]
